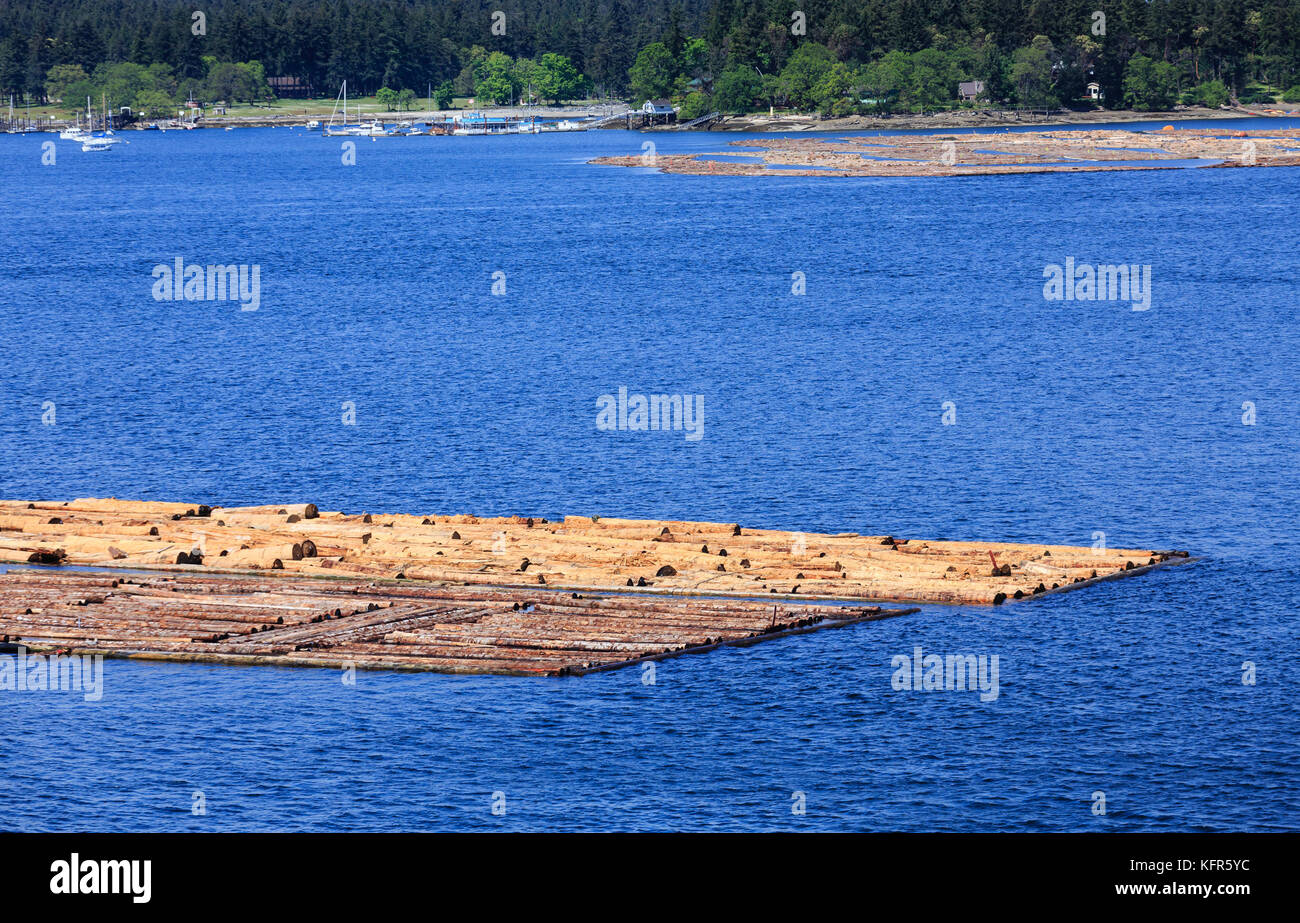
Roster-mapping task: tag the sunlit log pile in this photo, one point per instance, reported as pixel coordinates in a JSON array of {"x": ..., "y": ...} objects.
[
  {"x": 1059, "y": 151},
  {"x": 584, "y": 553},
  {"x": 325, "y": 623}
]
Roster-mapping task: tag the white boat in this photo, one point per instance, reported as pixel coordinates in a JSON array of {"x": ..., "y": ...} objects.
[
  {"x": 313, "y": 125},
  {"x": 76, "y": 132},
  {"x": 99, "y": 144},
  {"x": 373, "y": 128}
]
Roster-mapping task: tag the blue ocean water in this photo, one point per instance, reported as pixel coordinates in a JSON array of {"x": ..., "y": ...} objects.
[{"x": 822, "y": 411}]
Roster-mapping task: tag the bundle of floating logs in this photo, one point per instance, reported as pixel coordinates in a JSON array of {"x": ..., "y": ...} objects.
[
  {"x": 326, "y": 623},
  {"x": 1045, "y": 151},
  {"x": 583, "y": 553}
]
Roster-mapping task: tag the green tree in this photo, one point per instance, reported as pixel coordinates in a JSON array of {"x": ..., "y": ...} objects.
[
  {"x": 495, "y": 79},
  {"x": 693, "y": 60},
  {"x": 696, "y": 105},
  {"x": 154, "y": 103},
  {"x": 525, "y": 75},
  {"x": 405, "y": 99},
  {"x": 737, "y": 89},
  {"x": 386, "y": 97},
  {"x": 889, "y": 80},
  {"x": 235, "y": 82},
  {"x": 556, "y": 78},
  {"x": 652, "y": 74},
  {"x": 831, "y": 93},
  {"x": 929, "y": 85},
  {"x": 1031, "y": 72},
  {"x": 60, "y": 77},
  {"x": 1212, "y": 94},
  {"x": 1150, "y": 85},
  {"x": 443, "y": 94},
  {"x": 807, "y": 67}
]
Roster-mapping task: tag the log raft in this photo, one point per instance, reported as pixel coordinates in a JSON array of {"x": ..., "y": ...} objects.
[
  {"x": 588, "y": 554},
  {"x": 288, "y": 621},
  {"x": 1047, "y": 151}
]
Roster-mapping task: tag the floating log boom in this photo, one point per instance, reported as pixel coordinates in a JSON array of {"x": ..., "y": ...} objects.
[
  {"x": 328, "y": 623},
  {"x": 583, "y": 553}
]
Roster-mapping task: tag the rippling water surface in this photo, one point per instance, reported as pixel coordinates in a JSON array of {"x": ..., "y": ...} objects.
[{"x": 822, "y": 411}]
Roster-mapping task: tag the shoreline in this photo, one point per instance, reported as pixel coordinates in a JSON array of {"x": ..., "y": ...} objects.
[
  {"x": 759, "y": 123},
  {"x": 978, "y": 118}
]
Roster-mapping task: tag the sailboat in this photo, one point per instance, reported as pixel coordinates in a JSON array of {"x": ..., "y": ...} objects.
[
  {"x": 373, "y": 128},
  {"x": 343, "y": 128},
  {"x": 103, "y": 141}
]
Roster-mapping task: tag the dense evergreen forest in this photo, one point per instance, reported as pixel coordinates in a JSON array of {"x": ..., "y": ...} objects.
[{"x": 833, "y": 56}]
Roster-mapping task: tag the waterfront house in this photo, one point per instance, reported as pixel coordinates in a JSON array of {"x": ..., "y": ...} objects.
[
  {"x": 969, "y": 90},
  {"x": 289, "y": 87}
]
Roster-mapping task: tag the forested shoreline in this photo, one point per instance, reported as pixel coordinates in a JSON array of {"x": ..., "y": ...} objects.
[{"x": 836, "y": 57}]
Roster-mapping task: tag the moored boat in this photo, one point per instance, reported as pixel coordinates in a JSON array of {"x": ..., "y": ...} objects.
[{"x": 98, "y": 143}]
